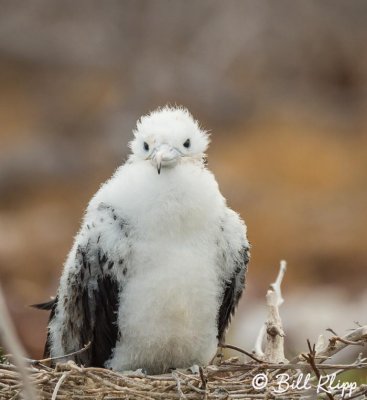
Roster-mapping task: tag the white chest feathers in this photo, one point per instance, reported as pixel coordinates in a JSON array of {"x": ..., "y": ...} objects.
[{"x": 170, "y": 299}]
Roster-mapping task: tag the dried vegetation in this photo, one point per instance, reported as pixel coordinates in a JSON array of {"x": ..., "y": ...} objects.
[{"x": 257, "y": 377}]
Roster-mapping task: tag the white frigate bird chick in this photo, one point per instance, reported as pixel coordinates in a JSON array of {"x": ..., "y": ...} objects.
[{"x": 159, "y": 263}]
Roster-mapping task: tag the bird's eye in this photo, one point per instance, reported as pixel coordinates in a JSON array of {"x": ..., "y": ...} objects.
[
  {"x": 187, "y": 143},
  {"x": 146, "y": 146}
]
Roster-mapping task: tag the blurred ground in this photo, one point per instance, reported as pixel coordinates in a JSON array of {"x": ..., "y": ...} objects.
[{"x": 283, "y": 89}]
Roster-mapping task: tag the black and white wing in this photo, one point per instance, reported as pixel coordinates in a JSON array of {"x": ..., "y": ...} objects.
[
  {"x": 86, "y": 307},
  {"x": 233, "y": 260}
]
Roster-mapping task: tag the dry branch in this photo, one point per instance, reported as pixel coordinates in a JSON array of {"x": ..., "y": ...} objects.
[{"x": 273, "y": 328}]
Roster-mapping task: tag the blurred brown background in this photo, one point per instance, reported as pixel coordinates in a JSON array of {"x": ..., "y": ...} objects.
[{"x": 281, "y": 85}]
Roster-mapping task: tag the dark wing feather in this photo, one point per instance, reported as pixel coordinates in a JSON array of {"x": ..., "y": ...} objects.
[
  {"x": 105, "y": 330},
  {"x": 91, "y": 306},
  {"x": 48, "y": 306},
  {"x": 92, "y": 310},
  {"x": 96, "y": 312},
  {"x": 232, "y": 291}
]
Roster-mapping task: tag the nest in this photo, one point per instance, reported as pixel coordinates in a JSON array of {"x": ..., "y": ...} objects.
[
  {"x": 266, "y": 373},
  {"x": 231, "y": 379},
  {"x": 68, "y": 381}
]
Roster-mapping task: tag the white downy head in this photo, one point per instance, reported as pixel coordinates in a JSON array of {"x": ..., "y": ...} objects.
[{"x": 167, "y": 136}]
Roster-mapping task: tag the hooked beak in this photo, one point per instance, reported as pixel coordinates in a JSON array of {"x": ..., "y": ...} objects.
[
  {"x": 165, "y": 155},
  {"x": 158, "y": 159}
]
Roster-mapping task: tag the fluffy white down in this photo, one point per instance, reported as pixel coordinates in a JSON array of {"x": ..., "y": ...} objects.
[
  {"x": 167, "y": 124},
  {"x": 170, "y": 297}
]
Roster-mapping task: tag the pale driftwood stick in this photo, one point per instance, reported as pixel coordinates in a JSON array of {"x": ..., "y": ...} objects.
[
  {"x": 336, "y": 343},
  {"x": 273, "y": 328},
  {"x": 325, "y": 348},
  {"x": 11, "y": 342},
  {"x": 274, "y": 345},
  {"x": 276, "y": 286}
]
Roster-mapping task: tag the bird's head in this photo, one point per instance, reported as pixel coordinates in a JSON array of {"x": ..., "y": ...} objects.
[{"x": 167, "y": 136}]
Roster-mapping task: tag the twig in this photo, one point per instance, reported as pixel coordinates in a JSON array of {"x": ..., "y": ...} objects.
[
  {"x": 178, "y": 384},
  {"x": 120, "y": 389},
  {"x": 334, "y": 346},
  {"x": 335, "y": 339},
  {"x": 202, "y": 377},
  {"x": 46, "y": 360},
  {"x": 58, "y": 385},
  {"x": 332, "y": 331},
  {"x": 229, "y": 346},
  {"x": 9, "y": 337},
  {"x": 358, "y": 394},
  {"x": 310, "y": 358}
]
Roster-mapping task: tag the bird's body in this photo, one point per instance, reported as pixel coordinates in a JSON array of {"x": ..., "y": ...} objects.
[{"x": 158, "y": 265}]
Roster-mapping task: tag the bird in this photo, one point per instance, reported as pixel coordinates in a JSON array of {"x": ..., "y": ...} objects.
[{"x": 159, "y": 264}]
